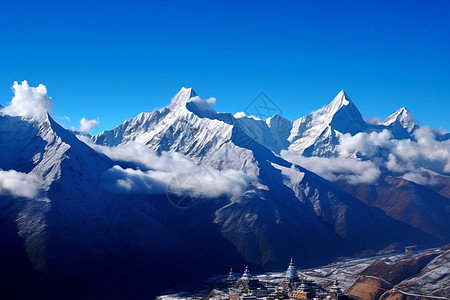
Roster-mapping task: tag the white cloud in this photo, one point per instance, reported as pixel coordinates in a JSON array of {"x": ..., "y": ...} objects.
[
  {"x": 367, "y": 144},
  {"x": 87, "y": 125},
  {"x": 255, "y": 118},
  {"x": 427, "y": 152},
  {"x": 203, "y": 104},
  {"x": 418, "y": 178},
  {"x": 19, "y": 184},
  {"x": 361, "y": 157},
  {"x": 130, "y": 181},
  {"x": 210, "y": 101},
  {"x": 242, "y": 114},
  {"x": 211, "y": 183},
  {"x": 334, "y": 169},
  {"x": 406, "y": 158},
  {"x": 394, "y": 165},
  {"x": 156, "y": 172},
  {"x": 239, "y": 115},
  {"x": 28, "y": 101}
]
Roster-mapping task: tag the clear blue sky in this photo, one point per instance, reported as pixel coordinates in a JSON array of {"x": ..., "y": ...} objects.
[{"x": 115, "y": 59}]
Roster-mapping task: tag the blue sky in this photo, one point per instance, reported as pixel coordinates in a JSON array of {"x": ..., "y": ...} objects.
[{"x": 115, "y": 59}]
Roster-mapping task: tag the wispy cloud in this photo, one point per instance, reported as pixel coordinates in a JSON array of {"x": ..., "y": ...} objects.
[{"x": 374, "y": 120}]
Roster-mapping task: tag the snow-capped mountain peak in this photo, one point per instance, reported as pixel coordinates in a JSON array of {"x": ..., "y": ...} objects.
[
  {"x": 116, "y": 205},
  {"x": 404, "y": 117},
  {"x": 276, "y": 118},
  {"x": 341, "y": 99},
  {"x": 341, "y": 107},
  {"x": 182, "y": 97},
  {"x": 343, "y": 114},
  {"x": 318, "y": 129}
]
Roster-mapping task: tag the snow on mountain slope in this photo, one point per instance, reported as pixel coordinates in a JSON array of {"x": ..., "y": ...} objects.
[
  {"x": 337, "y": 129},
  {"x": 111, "y": 213},
  {"x": 318, "y": 133},
  {"x": 71, "y": 173},
  {"x": 404, "y": 117},
  {"x": 397, "y": 149},
  {"x": 314, "y": 134},
  {"x": 173, "y": 128},
  {"x": 302, "y": 204},
  {"x": 433, "y": 280},
  {"x": 83, "y": 230},
  {"x": 74, "y": 228}
]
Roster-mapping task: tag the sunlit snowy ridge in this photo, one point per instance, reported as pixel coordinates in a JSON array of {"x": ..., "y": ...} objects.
[{"x": 184, "y": 184}]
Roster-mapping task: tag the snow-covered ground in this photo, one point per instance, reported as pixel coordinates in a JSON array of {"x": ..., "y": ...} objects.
[{"x": 433, "y": 278}]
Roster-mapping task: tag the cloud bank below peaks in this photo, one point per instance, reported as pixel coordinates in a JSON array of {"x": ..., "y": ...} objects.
[
  {"x": 335, "y": 169},
  {"x": 400, "y": 156},
  {"x": 362, "y": 158},
  {"x": 28, "y": 101},
  {"x": 157, "y": 173}
]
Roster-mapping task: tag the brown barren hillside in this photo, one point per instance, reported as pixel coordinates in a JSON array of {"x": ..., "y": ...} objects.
[
  {"x": 408, "y": 202},
  {"x": 382, "y": 276},
  {"x": 368, "y": 288}
]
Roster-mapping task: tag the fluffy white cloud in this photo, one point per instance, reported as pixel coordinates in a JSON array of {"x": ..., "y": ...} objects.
[
  {"x": 426, "y": 152},
  {"x": 255, "y": 118},
  {"x": 19, "y": 184},
  {"x": 393, "y": 164},
  {"x": 202, "y": 104},
  {"x": 366, "y": 144},
  {"x": 409, "y": 159},
  {"x": 28, "y": 101},
  {"x": 350, "y": 170},
  {"x": 209, "y": 183},
  {"x": 87, "y": 125},
  {"x": 199, "y": 101},
  {"x": 157, "y": 172},
  {"x": 239, "y": 115},
  {"x": 361, "y": 157},
  {"x": 242, "y": 114}
]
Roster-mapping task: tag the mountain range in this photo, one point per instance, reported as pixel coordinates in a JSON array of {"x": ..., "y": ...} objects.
[{"x": 184, "y": 192}]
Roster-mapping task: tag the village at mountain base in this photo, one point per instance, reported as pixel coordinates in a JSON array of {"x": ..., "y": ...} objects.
[{"x": 292, "y": 286}]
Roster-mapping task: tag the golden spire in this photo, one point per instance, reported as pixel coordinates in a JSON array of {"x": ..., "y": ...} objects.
[{"x": 292, "y": 260}]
